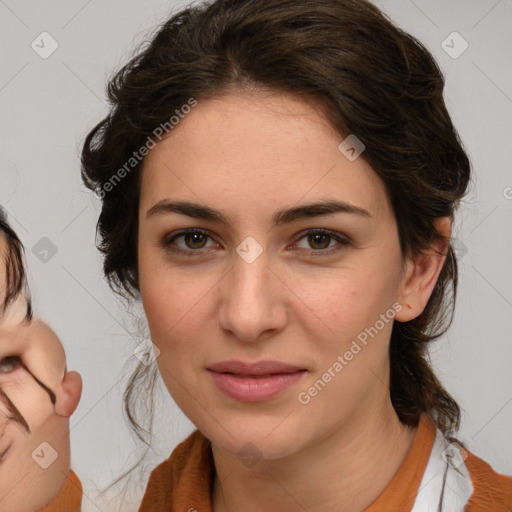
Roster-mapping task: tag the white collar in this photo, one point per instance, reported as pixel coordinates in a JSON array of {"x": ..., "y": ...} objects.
[{"x": 446, "y": 457}]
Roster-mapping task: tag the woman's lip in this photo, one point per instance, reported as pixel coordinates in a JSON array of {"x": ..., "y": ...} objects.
[
  {"x": 254, "y": 388},
  {"x": 258, "y": 368}
]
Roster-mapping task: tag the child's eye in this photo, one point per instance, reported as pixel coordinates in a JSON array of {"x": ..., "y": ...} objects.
[{"x": 9, "y": 364}]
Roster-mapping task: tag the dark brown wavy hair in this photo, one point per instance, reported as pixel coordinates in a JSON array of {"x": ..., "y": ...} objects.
[
  {"x": 373, "y": 79},
  {"x": 12, "y": 262}
]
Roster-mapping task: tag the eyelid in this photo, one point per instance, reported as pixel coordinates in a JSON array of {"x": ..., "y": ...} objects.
[
  {"x": 168, "y": 240},
  {"x": 342, "y": 239},
  {"x": 323, "y": 231},
  {"x": 17, "y": 374},
  {"x": 15, "y": 358}
]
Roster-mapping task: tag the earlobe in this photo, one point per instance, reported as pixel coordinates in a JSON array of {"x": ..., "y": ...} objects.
[
  {"x": 69, "y": 395},
  {"x": 421, "y": 274}
]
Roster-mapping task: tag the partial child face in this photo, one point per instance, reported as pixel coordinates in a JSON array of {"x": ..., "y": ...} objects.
[
  {"x": 37, "y": 396},
  {"x": 289, "y": 293},
  {"x": 32, "y": 369}
]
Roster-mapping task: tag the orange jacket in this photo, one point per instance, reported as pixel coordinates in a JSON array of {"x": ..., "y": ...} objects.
[
  {"x": 184, "y": 481},
  {"x": 70, "y": 497}
]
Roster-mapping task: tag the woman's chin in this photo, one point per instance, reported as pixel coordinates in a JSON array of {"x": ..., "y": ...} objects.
[{"x": 253, "y": 441}]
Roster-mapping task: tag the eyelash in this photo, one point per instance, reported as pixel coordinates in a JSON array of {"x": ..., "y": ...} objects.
[
  {"x": 15, "y": 361},
  {"x": 343, "y": 241}
]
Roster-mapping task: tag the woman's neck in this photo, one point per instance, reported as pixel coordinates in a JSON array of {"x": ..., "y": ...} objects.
[{"x": 344, "y": 472}]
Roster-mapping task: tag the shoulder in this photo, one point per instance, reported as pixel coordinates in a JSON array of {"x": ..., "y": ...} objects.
[
  {"x": 189, "y": 456},
  {"x": 456, "y": 479},
  {"x": 188, "y": 468},
  {"x": 492, "y": 490},
  {"x": 69, "y": 498},
  {"x": 180, "y": 457}
]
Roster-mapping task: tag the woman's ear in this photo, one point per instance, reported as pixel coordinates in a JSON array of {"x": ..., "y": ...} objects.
[
  {"x": 68, "y": 395},
  {"x": 421, "y": 274}
]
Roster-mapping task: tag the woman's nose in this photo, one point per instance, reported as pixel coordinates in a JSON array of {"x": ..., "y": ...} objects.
[{"x": 252, "y": 299}]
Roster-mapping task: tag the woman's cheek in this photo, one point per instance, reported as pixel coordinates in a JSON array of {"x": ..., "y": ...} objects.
[{"x": 177, "y": 306}]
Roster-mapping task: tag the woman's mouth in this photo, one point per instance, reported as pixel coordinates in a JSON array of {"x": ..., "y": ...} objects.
[{"x": 254, "y": 382}]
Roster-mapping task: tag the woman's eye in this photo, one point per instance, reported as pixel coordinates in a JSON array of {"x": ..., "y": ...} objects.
[
  {"x": 192, "y": 241},
  {"x": 10, "y": 363},
  {"x": 320, "y": 239}
]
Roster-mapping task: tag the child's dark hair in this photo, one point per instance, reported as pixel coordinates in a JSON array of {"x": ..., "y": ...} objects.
[
  {"x": 14, "y": 265},
  {"x": 373, "y": 80}
]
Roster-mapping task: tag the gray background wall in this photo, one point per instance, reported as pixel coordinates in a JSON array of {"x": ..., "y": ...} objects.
[{"x": 47, "y": 107}]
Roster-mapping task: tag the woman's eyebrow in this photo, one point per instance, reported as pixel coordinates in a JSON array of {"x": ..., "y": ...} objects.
[
  {"x": 16, "y": 415},
  {"x": 284, "y": 216}
]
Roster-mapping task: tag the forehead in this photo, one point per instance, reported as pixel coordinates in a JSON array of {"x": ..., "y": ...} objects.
[{"x": 274, "y": 149}]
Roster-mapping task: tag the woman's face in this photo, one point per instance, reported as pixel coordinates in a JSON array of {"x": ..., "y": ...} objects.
[{"x": 251, "y": 290}]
